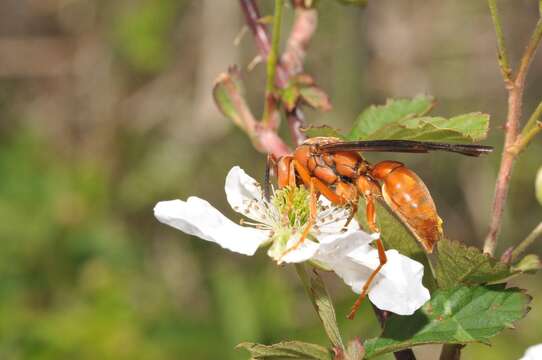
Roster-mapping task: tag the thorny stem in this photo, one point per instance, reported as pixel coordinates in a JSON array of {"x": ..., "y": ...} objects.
[
  {"x": 259, "y": 31},
  {"x": 515, "y": 89},
  {"x": 535, "y": 234},
  {"x": 303, "y": 28},
  {"x": 272, "y": 59}
]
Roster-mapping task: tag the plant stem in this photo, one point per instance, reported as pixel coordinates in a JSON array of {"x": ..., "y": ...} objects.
[
  {"x": 515, "y": 97},
  {"x": 515, "y": 89},
  {"x": 529, "y": 53},
  {"x": 272, "y": 59},
  {"x": 530, "y": 130},
  {"x": 502, "y": 53},
  {"x": 535, "y": 234},
  {"x": 302, "y": 273},
  {"x": 451, "y": 352},
  {"x": 261, "y": 38},
  {"x": 252, "y": 16},
  {"x": 535, "y": 117},
  {"x": 382, "y": 316}
]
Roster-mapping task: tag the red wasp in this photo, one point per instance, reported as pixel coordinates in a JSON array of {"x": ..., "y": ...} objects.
[{"x": 335, "y": 169}]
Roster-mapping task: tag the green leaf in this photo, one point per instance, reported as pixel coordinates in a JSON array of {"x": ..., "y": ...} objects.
[
  {"x": 315, "y": 97},
  {"x": 468, "y": 127},
  {"x": 538, "y": 186},
  {"x": 396, "y": 236},
  {"x": 530, "y": 264},
  {"x": 289, "y": 97},
  {"x": 405, "y": 120},
  {"x": 375, "y": 117},
  {"x": 322, "y": 130},
  {"x": 453, "y": 316},
  {"x": 326, "y": 312},
  {"x": 286, "y": 350},
  {"x": 461, "y": 264},
  {"x": 229, "y": 98}
]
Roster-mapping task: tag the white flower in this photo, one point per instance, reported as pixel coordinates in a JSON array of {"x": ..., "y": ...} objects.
[
  {"x": 533, "y": 353},
  {"x": 344, "y": 249}
]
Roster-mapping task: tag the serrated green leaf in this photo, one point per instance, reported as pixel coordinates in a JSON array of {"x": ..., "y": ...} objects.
[
  {"x": 529, "y": 264},
  {"x": 375, "y": 117},
  {"x": 538, "y": 186},
  {"x": 286, "y": 350},
  {"x": 396, "y": 236},
  {"x": 326, "y": 311},
  {"x": 315, "y": 97},
  {"x": 453, "y": 316},
  {"x": 322, "y": 130},
  {"x": 468, "y": 127},
  {"x": 461, "y": 264}
]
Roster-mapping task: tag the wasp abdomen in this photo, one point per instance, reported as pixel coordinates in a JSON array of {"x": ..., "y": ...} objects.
[{"x": 410, "y": 199}]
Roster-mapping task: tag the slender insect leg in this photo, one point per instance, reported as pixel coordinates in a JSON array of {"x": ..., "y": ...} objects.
[
  {"x": 371, "y": 220},
  {"x": 319, "y": 186},
  {"x": 283, "y": 171},
  {"x": 352, "y": 214},
  {"x": 267, "y": 178},
  {"x": 312, "y": 219},
  {"x": 291, "y": 175}
]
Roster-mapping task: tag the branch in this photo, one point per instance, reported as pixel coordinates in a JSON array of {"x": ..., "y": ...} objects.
[
  {"x": 529, "y": 53},
  {"x": 530, "y": 130},
  {"x": 451, "y": 351},
  {"x": 515, "y": 101},
  {"x": 272, "y": 58},
  {"x": 259, "y": 31},
  {"x": 501, "y": 48},
  {"x": 535, "y": 234},
  {"x": 303, "y": 29}
]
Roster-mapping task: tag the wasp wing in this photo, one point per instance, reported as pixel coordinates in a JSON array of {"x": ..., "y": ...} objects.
[{"x": 404, "y": 146}]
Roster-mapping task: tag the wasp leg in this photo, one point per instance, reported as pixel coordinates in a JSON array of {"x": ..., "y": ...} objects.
[
  {"x": 310, "y": 223},
  {"x": 351, "y": 216},
  {"x": 269, "y": 165},
  {"x": 283, "y": 171},
  {"x": 371, "y": 220},
  {"x": 316, "y": 188},
  {"x": 319, "y": 185}
]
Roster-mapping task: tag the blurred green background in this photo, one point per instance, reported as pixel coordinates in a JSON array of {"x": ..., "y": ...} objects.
[{"x": 105, "y": 109}]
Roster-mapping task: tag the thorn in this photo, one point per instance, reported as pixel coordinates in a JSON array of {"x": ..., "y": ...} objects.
[
  {"x": 257, "y": 59},
  {"x": 240, "y": 35}
]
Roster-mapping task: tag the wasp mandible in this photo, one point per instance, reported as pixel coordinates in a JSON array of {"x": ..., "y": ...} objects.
[{"x": 335, "y": 169}]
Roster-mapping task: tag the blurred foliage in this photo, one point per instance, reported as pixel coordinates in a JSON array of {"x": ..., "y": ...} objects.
[{"x": 114, "y": 113}]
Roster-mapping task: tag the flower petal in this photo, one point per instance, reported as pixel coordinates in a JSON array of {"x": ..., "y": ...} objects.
[
  {"x": 397, "y": 287},
  {"x": 331, "y": 219},
  {"x": 304, "y": 252},
  {"x": 533, "y": 353},
  {"x": 244, "y": 194},
  {"x": 197, "y": 217}
]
